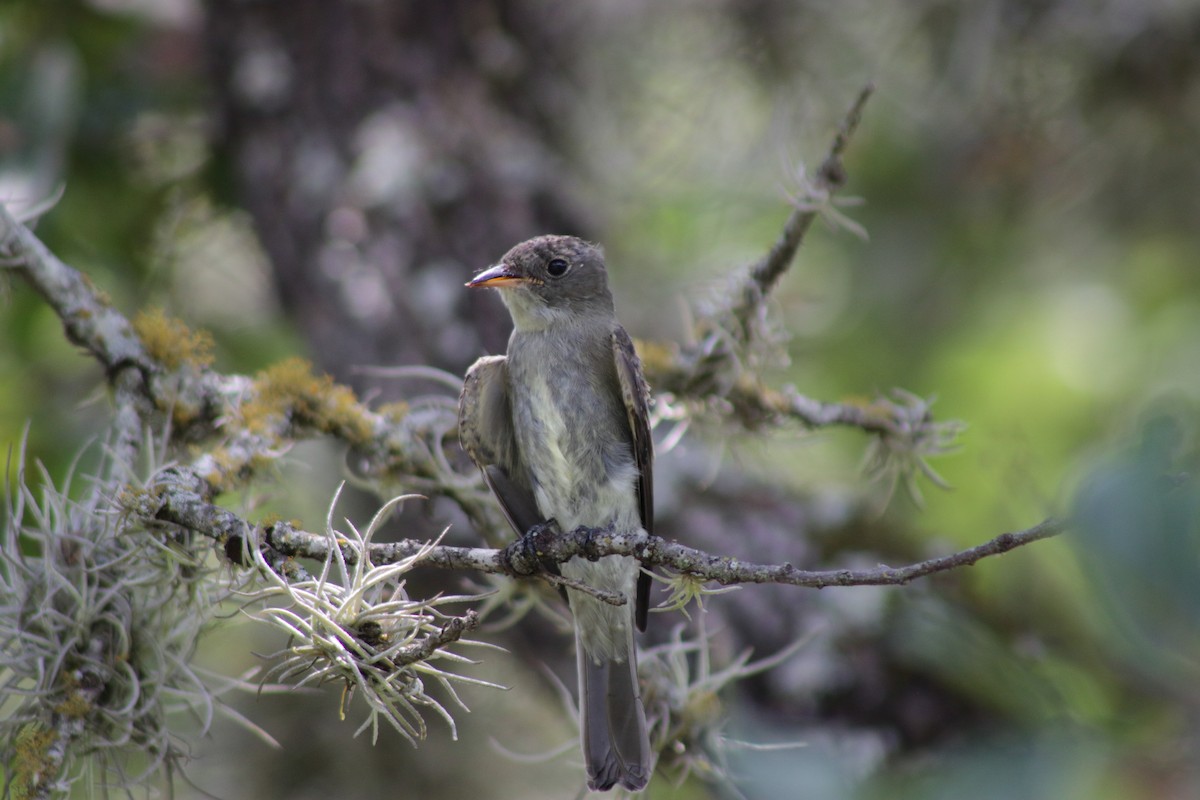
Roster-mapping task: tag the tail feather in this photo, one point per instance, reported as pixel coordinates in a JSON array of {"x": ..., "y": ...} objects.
[{"x": 615, "y": 742}]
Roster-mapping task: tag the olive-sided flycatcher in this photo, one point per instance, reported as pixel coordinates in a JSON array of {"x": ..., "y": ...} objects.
[{"x": 560, "y": 427}]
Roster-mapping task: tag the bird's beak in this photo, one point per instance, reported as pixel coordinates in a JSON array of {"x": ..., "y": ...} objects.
[{"x": 498, "y": 276}]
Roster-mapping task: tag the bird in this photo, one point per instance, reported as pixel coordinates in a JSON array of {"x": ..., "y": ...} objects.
[{"x": 560, "y": 427}]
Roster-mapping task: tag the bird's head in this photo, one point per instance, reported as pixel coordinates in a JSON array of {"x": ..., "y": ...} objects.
[{"x": 550, "y": 279}]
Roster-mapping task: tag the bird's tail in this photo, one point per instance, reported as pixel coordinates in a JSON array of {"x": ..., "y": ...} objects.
[{"x": 613, "y": 723}]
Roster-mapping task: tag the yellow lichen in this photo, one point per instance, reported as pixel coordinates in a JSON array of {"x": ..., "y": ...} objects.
[
  {"x": 703, "y": 709},
  {"x": 231, "y": 467},
  {"x": 32, "y": 763},
  {"x": 270, "y": 520},
  {"x": 129, "y": 497},
  {"x": 76, "y": 705},
  {"x": 289, "y": 390},
  {"x": 257, "y": 462},
  {"x": 170, "y": 342}
]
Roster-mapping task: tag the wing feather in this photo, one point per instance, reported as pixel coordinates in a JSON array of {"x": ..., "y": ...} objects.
[
  {"x": 485, "y": 431},
  {"x": 636, "y": 396}
]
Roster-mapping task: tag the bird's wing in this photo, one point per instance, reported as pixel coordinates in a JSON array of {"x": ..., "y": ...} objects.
[
  {"x": 485, "y": 431},
  {"x": 636, "y": 396}
]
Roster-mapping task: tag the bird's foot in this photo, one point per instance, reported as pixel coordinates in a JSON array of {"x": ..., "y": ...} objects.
[{"x": 526, "y": 556}]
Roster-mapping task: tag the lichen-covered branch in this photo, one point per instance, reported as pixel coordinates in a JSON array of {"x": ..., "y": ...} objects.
[
  {"x": 717, "y": 375},
  {"x": 162, "y": 371},
  {"x": 251, "y": 420},
  {"x": 754, "y": 405},
  {"x": 42, "y": 750},
  {"x": 545, "y": 545},
  {"x": 88, "y": 318},
  {"x": 653, "y": 551},
  {"x": 164, "y": 379}
]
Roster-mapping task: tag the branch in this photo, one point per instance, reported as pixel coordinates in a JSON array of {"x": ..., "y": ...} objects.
[
  {"x": 424, "y": 648},
  {"x": 544, "y": 545},
  {"x": 249, "y": 420},
  {"x": 654, "y": 551},
  {"x": 830, "y": 177},
  {"x": 179, "y": 497},
  {"x": 755, "y": 406},
  {"x": 719, "y": 374},
  {"x": 719, "y": 370},
  {"x": 89, "y": 321}
]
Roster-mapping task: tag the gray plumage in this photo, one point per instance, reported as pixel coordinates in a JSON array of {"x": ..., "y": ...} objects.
[{"x": 560, "y": 428}]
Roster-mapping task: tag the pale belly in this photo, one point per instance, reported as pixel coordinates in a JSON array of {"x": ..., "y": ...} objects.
[
  {"x": 578, "y": 477},
  {"x": 578, "y": 483}
]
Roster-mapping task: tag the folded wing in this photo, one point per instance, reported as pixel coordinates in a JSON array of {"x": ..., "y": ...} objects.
[{"x": 485, "y": 431}]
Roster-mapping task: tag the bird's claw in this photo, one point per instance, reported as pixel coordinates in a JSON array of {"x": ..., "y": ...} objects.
[{"x": 524, "y": 555}]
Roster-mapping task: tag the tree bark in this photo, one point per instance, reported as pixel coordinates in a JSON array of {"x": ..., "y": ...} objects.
[{"x": 387, "y": 151}]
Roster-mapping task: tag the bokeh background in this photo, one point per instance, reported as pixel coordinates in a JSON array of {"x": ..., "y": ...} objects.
[{"x": 320, "y": 176}]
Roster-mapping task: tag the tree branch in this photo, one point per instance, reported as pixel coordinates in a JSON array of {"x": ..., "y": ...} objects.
[
  {"x": 255, "y": 417},
  {"x": 89, "y": 321},
  {"x": 718, "y": 375},
  {"x": 830, "y": 177},
  {"x": 448, "y": 634},
  {"x": 43, "y": 751},
  {"x": 653, "y": 551},
  {"x": 172, "y": 501},
  {"x": 718, "y": 369},
  {"x": 249, "y": 420}
]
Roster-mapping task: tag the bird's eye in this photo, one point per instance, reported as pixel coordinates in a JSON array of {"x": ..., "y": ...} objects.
[{"x": 557, "y": 267}]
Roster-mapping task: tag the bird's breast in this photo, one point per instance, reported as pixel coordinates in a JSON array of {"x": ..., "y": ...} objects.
[{"x": 573, "y": 440}]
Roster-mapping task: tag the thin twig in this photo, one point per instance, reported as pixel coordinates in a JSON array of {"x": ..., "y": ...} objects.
[
  {"x": 717, "y": 373},
  {"x": 448, "y": 634},
  {"x": 603, "y": 595},
  {"x": 830, "y": 177}
]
